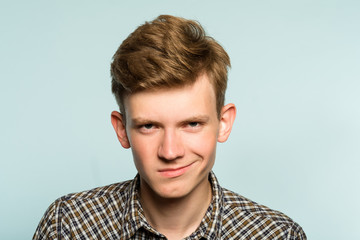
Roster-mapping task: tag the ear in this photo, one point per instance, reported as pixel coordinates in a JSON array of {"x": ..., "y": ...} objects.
[
  {"x": 227, "y": 118},
  {"x": 118, "y": 122}
]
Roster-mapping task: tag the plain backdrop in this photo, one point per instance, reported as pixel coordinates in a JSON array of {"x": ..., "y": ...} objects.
[{"x": 295, "y": 80}]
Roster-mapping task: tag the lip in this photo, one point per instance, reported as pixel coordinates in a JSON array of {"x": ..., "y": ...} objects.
[{"x": 174, "y": 172}]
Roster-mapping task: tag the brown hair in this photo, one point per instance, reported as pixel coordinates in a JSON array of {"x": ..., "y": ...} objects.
[{"x": 168, "y": 52}]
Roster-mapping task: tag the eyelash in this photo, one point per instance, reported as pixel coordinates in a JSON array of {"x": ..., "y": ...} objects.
[
  {"x": 197, "y": 124},
  {"x": 147, "y": 127}
]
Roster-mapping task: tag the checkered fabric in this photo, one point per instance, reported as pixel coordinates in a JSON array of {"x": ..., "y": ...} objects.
[{"x": 115, "y": 212}]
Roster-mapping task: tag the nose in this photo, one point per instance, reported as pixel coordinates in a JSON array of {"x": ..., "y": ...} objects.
[{"x": 171, "y": 147}]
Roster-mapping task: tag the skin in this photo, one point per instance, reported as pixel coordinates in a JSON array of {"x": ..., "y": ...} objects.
[{"x": 173, "y": 135}]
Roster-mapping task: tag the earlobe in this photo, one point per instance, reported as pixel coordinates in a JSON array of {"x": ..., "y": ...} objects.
[
  {"x": 227, "y": 118},
  {"x": 118, "y": 122}
]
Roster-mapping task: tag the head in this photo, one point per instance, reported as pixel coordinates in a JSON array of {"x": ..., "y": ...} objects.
[
  {"x": 168, "y": 52},
  {"x": 169, "y": 79}
]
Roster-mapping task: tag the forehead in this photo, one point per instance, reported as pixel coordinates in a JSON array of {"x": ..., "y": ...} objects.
[{"x": 197, "y": 98}]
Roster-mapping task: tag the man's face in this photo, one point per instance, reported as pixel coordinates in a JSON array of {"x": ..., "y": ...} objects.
[{"x": 173, "y": 135}]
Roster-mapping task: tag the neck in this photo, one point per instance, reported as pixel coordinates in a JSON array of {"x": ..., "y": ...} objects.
[{"x": 176, "y": 218}]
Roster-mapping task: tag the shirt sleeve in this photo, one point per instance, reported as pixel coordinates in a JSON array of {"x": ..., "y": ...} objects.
[
  {"x": 52, "y": 225},
  {"x": 296, "y": 233}
]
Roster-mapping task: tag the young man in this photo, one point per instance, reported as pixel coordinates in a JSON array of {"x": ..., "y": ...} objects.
[{"x": 169, "y": 80}]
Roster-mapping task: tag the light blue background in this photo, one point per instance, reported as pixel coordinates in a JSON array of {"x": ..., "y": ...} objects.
[{"x": 294, "y": 78}]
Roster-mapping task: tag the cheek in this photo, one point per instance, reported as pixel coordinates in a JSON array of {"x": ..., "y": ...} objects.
[
  {"x": 143, "y": 150},
  {"x": 203, "y": 145}
]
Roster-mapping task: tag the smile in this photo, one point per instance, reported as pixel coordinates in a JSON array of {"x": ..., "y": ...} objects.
[{"x": 174, "y": 172}]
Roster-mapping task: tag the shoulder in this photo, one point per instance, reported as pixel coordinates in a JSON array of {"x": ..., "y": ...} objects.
[
  {"x": 234, "y": 202},
  {"x": 110, "y": 191},
  {"x": 76, "y": 210},
  {"x": 257, "y": 220},
  {"x": 94, "y": 200}
]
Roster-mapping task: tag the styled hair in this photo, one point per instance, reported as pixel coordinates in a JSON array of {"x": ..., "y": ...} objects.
[{"x": 168, "y": 52}]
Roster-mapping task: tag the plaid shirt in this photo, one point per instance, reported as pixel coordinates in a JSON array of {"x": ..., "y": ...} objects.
[{"x": 115, "y": 212}]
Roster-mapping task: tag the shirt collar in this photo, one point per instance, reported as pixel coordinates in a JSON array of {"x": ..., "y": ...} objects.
[
  {"x": 134, "y": 218},
  {"x": 210, "y": 226}
]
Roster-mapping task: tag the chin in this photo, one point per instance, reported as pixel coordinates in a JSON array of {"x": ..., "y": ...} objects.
[{"x": 175, "y": 192}]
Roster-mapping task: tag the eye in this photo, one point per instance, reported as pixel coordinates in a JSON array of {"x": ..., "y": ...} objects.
[
  {"x": 194, "y": 124},
  {"x": 148, "y": 126}
]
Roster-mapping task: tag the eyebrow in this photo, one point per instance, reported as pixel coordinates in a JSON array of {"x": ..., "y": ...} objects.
[
  {"x": 198, "y": 118},
  {"x": 142, "y": 121}
]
